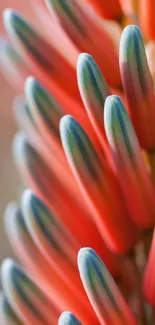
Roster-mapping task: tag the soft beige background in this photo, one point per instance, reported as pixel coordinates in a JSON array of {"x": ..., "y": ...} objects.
[{"x": 9, "y": 179}]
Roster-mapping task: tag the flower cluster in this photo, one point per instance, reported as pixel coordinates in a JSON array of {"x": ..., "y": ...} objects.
[{"x": 85, "y": 149}]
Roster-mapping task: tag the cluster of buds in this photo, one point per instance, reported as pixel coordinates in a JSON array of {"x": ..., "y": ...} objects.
[{"x": 83, "y": 230}]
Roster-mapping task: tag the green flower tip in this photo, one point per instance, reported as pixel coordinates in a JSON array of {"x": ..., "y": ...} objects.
[
  {"x": 8, "y": 268},
  {"x": 112, "y": 108},
  {"x": 27, "y": 198},
  {"x": 67, "y": 123},
  {"x": 83, "y": 59},
  {"x": 113, "y": 111},
  {"x": 41, "y": 102},
  {"x": 10, "y": 211},
  {"x": 74, "y": 139},
  {"x": 115, "y": 114},
  {"x": 85, "y": 258},
  {"x": 31, "y": 86},
  {"x": 67, "y": 318},
  {"x": 35, "y": 212},
  {"x": 131, "y": 30},
  {"x": 14, "y": 277},
  {"x": 91, "y": 268},
  {"x": 33, "y": 92},
  {"x": 20, "y": 145},
  {"x": 10, "y": 18},
  {"x": 34, "y": 208},
  {"x": 34, "y": 89},
  {"x": 118, "y": 127},
  {"x": 17, "y": 27},
  {"x": 85, "y": 64},
  {"x": 131, "y": 43},
  {"x": 92, "y": 86}
]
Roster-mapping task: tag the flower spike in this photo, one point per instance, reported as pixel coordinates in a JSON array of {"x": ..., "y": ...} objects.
[
  {"x": 103, "y": 293},
  {"x": 91, "y": 180}
]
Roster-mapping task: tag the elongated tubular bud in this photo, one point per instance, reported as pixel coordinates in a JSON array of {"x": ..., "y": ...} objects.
[
  {"x": 138, "y": 85},
  {"x": 13, "y": 67},
  {"x": 62, "y": 43},
  {"x": 39, "y": 53},
  {"x": 26, "y": 299},
  {"x": 44, "y": 113},
  {"x": 30, "y": 257},
  {"x": 87, "y": 34},
  {"x": 47, "y": 278},
  {"x": 99, "y": 187},
  {"x": 44, "y": 109},
  {"x": 131, "y": 169},
  {"x": 103, "y": 293},
  {"x": 49, "y": 188},
  {"x": 55, "y": 242},
  {"x": 50, "y": 235},
  {"x": 58, "y": 166},
  {"x": 93, "y": 90}
]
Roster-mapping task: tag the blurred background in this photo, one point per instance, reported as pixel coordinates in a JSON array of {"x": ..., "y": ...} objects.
[{"x": 9, "y": 179}]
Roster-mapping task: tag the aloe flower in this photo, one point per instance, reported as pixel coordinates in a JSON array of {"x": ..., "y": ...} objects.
[{"x": 85, "y": 108}]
